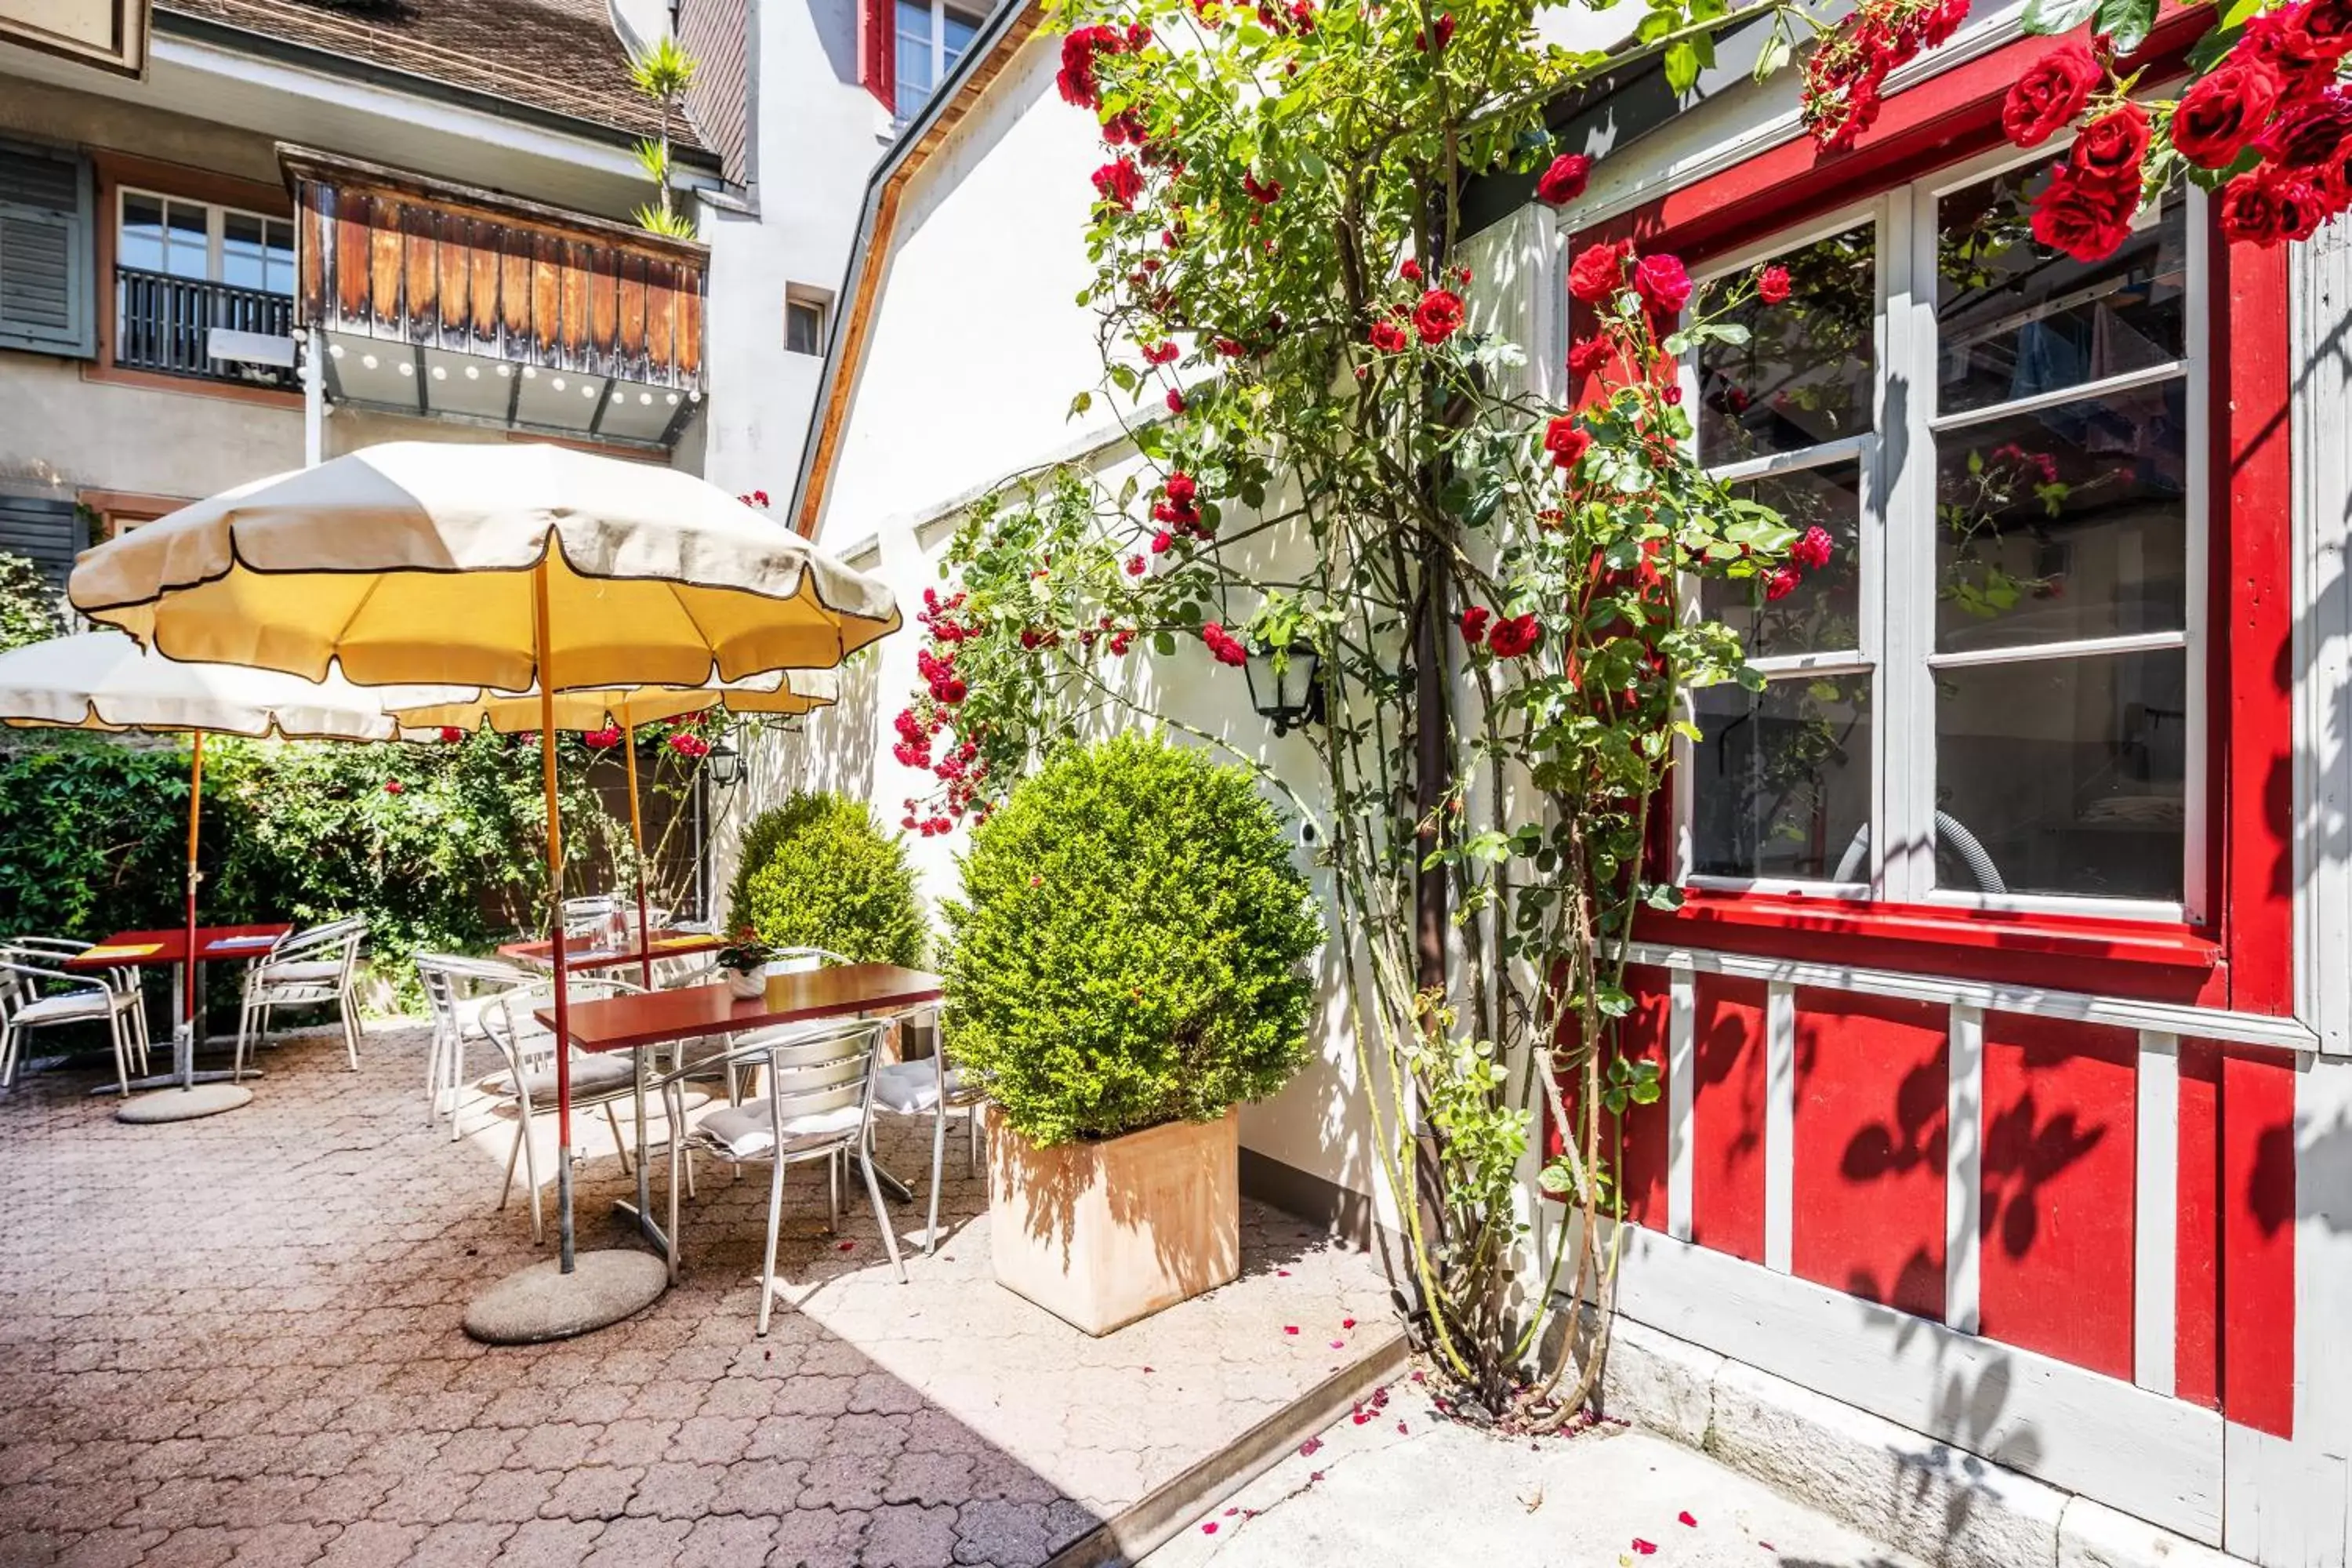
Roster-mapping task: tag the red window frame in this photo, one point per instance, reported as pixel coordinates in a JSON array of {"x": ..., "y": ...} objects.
[{"x": 2239, "y": 955}]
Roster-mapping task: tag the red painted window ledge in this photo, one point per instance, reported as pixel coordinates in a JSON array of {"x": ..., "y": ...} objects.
[{"x": 2063, "y": 936}]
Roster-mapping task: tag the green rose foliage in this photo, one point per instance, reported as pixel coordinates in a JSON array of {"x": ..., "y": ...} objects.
[
  {"x": 817, "y": 871},
  {"x": 28, "y": 606},
  {"x": 1127, "y": 949}
]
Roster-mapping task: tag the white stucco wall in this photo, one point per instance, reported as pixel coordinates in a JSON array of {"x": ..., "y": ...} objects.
[{"x": 817, "y": 136}]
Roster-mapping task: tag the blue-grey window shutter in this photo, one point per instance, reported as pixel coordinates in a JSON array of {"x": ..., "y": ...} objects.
[
  {"x": 43, "y": 530},
  {"x": 48, "y": 297}
]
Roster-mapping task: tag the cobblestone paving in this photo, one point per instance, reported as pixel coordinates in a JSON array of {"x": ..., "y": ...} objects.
[{"x": 237, "y": 1341}]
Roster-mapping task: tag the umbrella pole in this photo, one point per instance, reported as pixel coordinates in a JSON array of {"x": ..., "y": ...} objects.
[
  {"x": 637, "y": 842},
  {"x": 542, "y": 648},
  {"x": 188, "y": 968}
]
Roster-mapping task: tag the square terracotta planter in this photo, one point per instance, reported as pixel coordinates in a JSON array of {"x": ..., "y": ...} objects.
[{"x": 1102, "y": 1233}]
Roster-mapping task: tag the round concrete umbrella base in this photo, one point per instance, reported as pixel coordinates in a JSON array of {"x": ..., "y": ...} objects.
[
  {"x": 183, "y": 1104},
  {"x": 542, "y": 1302}
]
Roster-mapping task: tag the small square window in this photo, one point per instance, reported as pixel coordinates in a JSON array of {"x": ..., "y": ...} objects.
[{"x": 804, "y": 326}]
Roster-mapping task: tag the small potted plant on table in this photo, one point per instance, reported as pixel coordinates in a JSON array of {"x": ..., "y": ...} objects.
[
  {"x": 743, "y": 962},
  {"x": 1125, "y": 969}
]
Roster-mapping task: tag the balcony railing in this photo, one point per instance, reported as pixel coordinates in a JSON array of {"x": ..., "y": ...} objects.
[{"x": 165, "y": 323}]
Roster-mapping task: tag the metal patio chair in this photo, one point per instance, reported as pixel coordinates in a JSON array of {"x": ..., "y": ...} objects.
[
  {"x": 819, "y": 1106},
  {"x": 527, "y": 1084},
  {"x": 932, "y": 1088},
  {"x": 35, "y": 993},
  {"x": 313, "y": 968},
  {"x": 458, "y": 987}
]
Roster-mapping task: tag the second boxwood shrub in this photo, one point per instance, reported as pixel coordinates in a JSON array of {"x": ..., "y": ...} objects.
[{"x": 817, "y": 871}]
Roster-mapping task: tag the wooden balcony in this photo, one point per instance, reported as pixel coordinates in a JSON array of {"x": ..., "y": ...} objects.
[{"x": 444, "y": 300}]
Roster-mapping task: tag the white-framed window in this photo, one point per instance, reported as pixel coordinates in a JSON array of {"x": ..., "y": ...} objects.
[
  {"x": 931, "y": 37},
  {"x": 1992, "y": 696},
  {"x": 203, "y": 242},
  {"x": 805, "y": 320}
]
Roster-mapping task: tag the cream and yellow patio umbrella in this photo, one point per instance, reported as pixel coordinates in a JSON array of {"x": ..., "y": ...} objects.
[
  {"x": 104, "y": 680},
  {"x": 624, "y": 709},
  {"x": 512, "y": 567}
]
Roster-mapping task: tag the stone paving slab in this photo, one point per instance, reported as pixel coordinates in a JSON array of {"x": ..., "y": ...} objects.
[
  {"x": 1403, "y": 1489},
  {"x": 237, "y": 1341}
]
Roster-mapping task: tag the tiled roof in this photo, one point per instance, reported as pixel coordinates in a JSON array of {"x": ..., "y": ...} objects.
[{"x": 556, "y": 54}]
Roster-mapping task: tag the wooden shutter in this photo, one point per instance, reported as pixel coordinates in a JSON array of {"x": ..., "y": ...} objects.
[
  {"x": 877, "y": 50},
  {"x": 44, "y": 531},
  {"x": 47, "y": 300}
]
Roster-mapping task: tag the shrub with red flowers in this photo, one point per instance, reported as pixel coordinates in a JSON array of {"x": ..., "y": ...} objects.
[{"x": 1352, "y": 461}]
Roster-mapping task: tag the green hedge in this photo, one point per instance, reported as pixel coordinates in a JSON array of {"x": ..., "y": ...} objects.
[
  {"x": 817, "y": 871},
  {"x": 93, "y": 837},
  {"x": 1128, "y": 951}
]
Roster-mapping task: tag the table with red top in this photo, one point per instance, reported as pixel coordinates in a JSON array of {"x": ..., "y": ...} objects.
[
  {"x": 132, "y": 948},
  {"x": 642, "y": 1020},
  {"x": 592, "y": 953}
]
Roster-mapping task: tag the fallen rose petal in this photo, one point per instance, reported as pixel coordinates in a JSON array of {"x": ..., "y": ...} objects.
[
  {"x": 1644, "y": 1548},
  {"x": 1339, "y": 1344},
  {"x": 847, "y": 1245},
  {"x": 1210, "y": 1527},
  {"x": 1361, "y": 1416},
  {"x": 1347, "y": 1322},
  {"x": 1290, "y": 1328},
  {"x": 1400, "y": 1426},
  {"x": 1231, "y": 1512},
  {"x": 1282, "y": 1274},
  {"x": 1686, "y": 1517},
  {"x": 1146, "y": 1369},
  {"x": 1310, "y": 1448}
]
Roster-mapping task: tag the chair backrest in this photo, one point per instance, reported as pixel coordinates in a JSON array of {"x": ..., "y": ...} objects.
[
  {"x": 24, "y": 967},
  {"x": 813, "y": 1069},
  {"x": 528, "y": 1045},
  {"x": 450, "y": 979},
  {"x": 317, "y": 941},
  {"x": 586, "y": 913}
]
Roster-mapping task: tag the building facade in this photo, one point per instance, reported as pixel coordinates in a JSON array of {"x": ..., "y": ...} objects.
[{"x": 2004, "y": 1025}]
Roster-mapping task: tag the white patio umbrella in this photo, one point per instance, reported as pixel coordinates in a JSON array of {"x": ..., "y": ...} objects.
[
  {"x": 512, "y": 567},
  {"x": 104, "y": 680}
]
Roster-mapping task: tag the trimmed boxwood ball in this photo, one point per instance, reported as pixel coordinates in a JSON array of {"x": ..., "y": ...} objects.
[
  {"x": 1128, "y": 949},
  {"x": 817, "y": 871}
]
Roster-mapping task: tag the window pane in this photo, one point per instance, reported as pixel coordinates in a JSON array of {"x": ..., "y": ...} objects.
[
  {"x": 914, "y": 61},
  {"x": 804, "y": 328},
  {"x": 1803, "y": 376},
  {"x": 955, "y": 37},
  {"x": 1781, "y": 782},
  {"x": 141, "y": 245},
  {"x": 2066, "y": 772},
  {"x": 1823, "y": 614},
  {"x": 244, "y": 256},
  {"x": 2070, "y": 522},
  {"x": 2013, "y": 320},
  {"x": 187, "y": 247}
]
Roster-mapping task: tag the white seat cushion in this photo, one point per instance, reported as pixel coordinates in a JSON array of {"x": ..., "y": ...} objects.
[
  {"x": 747, "y": 1131},
  {"x": 911, "y": 1089},
  {"x": 597, "y": 1076},
  {"x": 74, "y": 1005}
]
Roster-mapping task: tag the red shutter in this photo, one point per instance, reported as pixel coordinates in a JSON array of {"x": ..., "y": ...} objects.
[{"x": 877, "y": 63}]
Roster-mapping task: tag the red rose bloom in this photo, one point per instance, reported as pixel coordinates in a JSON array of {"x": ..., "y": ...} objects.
[
  {"x": 1387, "y": 337},
  {"x": 2222, "y": 112},
  {"x": 1223, "y": 644},
  {"x": 2306, "y": 133},
  {"x": 1159, "y": 354},
  {"x": 1772, "y": 285},
  {"x": 1263, "y": 192},
  {"x": 2270, "y": 205},
  {"x": 1182, "y": 489},
  {"x": 2301, "y": 36},
  {"x": 1781, "y": 582},
  {"x": 451, "y": 732},
  {"x": 1598, "y": 274},
  {"x": 2052, "y": 91},
  {"x": 1473, "y": 624},
  {"x": 1119, "y": 183},
  {"x": 1444, "y": 35},
  {"x": 603, "y": 739},
  {"x": 1812, "y": 550},
  {"x": 1565, "y": 180},
  {"x": 2086, "y": 220},
  {"x": 1565, "y": 441},
  {"x": 1175, "y": 401},
  {"x": 1661, "y": 283},
  {"x": 1514, "y": 637},
  {"x": 2111, "y": 147},
  {"x": 1438, "y": 316},
  {"x": 393, "y": 787},
  {"x": 1409, "y": 270},
  {"x": 1587, "y": 355}
]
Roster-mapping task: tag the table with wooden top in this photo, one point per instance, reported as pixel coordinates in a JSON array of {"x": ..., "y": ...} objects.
[
  {"x": 639, "y": 1021},
  {"x": 590, "y": 952},
  {"x": 129, "y": 949}
]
